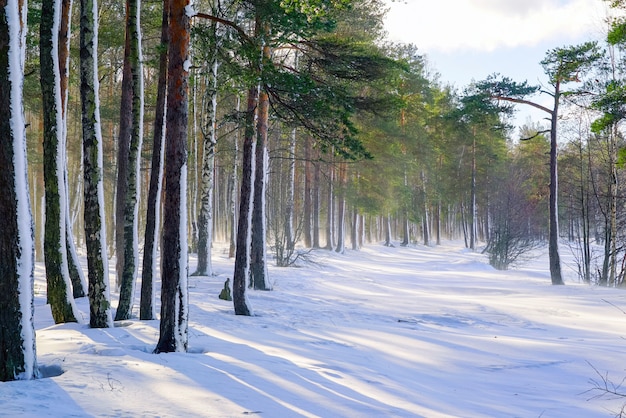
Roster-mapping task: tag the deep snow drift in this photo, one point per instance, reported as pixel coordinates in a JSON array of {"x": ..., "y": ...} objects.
[{"x": 381, "y": 332}]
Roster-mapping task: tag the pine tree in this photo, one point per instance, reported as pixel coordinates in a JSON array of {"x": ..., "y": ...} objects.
[
  {"x": 174, "y": 269},
  {"x": 17, "y": 331},
  {"x": 95, "y": 232}
]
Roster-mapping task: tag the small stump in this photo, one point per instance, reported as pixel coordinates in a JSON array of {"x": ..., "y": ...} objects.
[{"x": 225, "y": 293}]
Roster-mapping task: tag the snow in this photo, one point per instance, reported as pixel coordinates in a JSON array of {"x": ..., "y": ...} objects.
[
  {"x": 381, "y": 332},
  {"x": 190, "y": 10},
  {"x": 16, "y": 55},
  {"x": 98, "y": 132}
]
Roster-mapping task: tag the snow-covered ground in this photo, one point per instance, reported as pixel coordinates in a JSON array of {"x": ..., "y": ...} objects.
[{"x": 382, "y": 332}]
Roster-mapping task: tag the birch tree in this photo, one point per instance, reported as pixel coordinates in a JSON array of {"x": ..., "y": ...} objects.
[
  {"x": 17, "y": 337},
  {"x": 55, "y": 238}
]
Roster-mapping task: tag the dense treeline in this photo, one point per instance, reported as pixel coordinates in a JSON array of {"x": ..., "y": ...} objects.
[{"x": 295, "y": 125}]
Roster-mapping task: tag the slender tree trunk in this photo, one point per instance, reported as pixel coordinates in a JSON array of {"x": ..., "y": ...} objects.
[
  {"x": 17, "y": 339},
  {"x": 388, "y": 231},
  {"x": 173, "y": 335},
  {"x": 307, "y": 201},
  {"x": 553, "y": 239},
  {"x": 341, "y": 211},
  {"x": 147, "y": 308},
  {"x": 330, "y": 224},
  {"x": 95, "y": 230},
  {"x": 316, "y": 206},
  {"x": 55, "y": 244},
  {"x": 258, "y": 262},
  {"x": 355, "y": 229},
  {"x": 233, "y": 192},
  {"x": 290, "y": 203},
  {"x": 242, "y": 254},
  {"x": 473, "y": 196},
  {"x": 205, "y": 218},
  {"x": 131, "y": 206},
  {"x": 77, "y": 277}
]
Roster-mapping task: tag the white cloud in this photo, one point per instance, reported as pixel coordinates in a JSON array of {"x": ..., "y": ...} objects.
[{"x": 486, "y": 25}]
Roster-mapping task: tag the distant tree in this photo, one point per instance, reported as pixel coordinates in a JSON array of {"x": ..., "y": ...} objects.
[
  {"x": 562, "y": 65},
  {"x": 17, "y": 331},
  {"x": 174, "y": 268}
]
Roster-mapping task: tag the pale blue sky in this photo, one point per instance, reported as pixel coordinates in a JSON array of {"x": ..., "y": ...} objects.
[{"x": 467, "y": 40}]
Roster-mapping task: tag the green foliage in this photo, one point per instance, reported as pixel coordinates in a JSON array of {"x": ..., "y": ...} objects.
[{"x": 567, "y": 64}]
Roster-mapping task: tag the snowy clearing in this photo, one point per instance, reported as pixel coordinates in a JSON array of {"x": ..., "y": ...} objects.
[{"x": 382, "y": 332}]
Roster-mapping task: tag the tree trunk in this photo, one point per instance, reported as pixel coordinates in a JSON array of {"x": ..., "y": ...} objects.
[
  {"x": 55, "y": 245},
  {"x": 93, "y": 191},
  {"x": 242, "y": 254},
  {"x": 147, "y": 308},
  {"x": 306, "y": 221},
  {"x": 472, "y": 234},
  {"x": 289, "y": 205},
  {"x": 77, "y": 277},
  {"x": 316, "y": 206},
  {"x": 205, "y": 218},
  {"x": 553, "y": 238},
  {"x": 233, "y": 192},
  {"x": 330, "y": 224},
  {"x": 173, "y": 335},
  {"x": 258, "y": 263},
  {"x": 18, "y": 353},
  {"x": 130, "y": 241}
]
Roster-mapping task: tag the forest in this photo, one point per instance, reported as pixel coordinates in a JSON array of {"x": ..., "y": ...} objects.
[{"x": 137, "y": 132}]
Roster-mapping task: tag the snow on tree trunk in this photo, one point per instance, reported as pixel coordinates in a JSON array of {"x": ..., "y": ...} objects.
[
  {"x": 173, "y": 335},
  {"x": 289, "y": 234},
  {"x": 307, "y": 201},
  {"x": 55, "y": 244},
  {"x": 147, "y": 305},
  {"x": 233, "y": 190},
  {"x": 258, "y": 262},
  {"x": 205, "y": 218},
  {"x": 18, "y": 354},
  {"x": 77, "y": 277},
  {"x": 131, "y": 204},
  {"x": 316, "y": 207},
  {"x": 330, "y": 211},
  {"x": 242, "y": 253},
  {"x": 95, "y": 228},
  {"x": 553, "y": 234},
  {"x": 341, "y": 211}
]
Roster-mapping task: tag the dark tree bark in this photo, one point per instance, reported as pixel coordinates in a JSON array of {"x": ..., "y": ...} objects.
[
  {"x": 174, "y": 297},
  {"x": 55, "y": 250},
  {"x": 17, "y": 336},
  {"x": 242, "y": 253},
  {"x": 147, "y": 310},
  {"x": 132, "y": 57},
  {"x": 258, "y": 264},
  {"x": 95, "y": 231},
  {"x": 553, "y": 237}
]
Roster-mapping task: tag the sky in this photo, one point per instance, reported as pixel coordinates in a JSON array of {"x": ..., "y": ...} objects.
[{"x": 467, "y": 40}]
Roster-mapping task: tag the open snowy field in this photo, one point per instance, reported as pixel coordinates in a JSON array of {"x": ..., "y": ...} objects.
[{"x": 382, "y": 332}]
